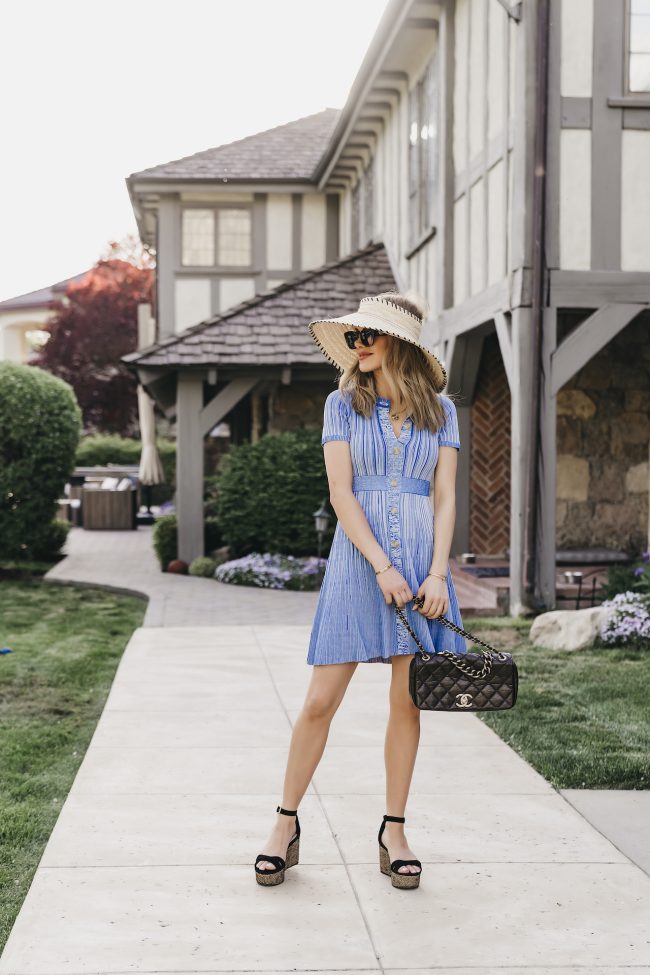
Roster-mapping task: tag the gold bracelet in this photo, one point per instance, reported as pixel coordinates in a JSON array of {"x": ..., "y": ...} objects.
[
  {"x": 389, "y": 566},
  {"x": 437, "y": 575}
]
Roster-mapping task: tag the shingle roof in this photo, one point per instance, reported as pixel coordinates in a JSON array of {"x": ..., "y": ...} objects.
[
  {"x": 271, "y": 328},
  {"x": 40, "y": 298},
  {"x": 290, "y": 151}
]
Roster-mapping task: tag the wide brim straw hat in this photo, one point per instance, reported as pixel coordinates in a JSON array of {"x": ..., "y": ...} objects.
[{"x": 382, "y": 314}]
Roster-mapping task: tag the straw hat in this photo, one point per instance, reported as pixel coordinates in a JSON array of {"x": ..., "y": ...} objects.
[{"x": 384, "y": 315}]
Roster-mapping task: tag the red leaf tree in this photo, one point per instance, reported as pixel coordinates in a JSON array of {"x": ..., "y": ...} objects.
[{"x": 91, "y": 328}]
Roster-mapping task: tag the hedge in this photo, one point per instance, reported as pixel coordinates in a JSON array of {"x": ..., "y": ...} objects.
[
  {"x": 40, "y": 425},
  {"x": 165, "y": 538},
  {"x": 102, "y": 449}
]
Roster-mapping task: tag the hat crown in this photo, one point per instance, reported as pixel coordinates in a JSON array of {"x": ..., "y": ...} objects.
[{"x": 401, "y": 320}]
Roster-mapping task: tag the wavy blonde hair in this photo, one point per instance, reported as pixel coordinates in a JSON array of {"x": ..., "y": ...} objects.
[{"x": 406, "y": 372}]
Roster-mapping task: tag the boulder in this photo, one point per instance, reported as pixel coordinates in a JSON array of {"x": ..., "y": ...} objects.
[{"x": 567, "y": 629}]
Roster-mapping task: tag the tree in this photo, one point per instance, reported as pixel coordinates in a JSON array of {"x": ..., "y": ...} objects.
[{"x": 91, "y": 328}]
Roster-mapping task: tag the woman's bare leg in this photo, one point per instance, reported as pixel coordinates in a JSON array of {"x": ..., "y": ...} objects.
[
  {"x": 324, "y": 694},
  {"x": 400, "y": 750}
]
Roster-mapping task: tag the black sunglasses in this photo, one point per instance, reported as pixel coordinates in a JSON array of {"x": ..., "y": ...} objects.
[{"x": 367, "y": 336}]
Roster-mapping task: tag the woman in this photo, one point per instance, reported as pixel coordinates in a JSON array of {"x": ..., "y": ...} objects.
[{"x": 386, "y": 429}]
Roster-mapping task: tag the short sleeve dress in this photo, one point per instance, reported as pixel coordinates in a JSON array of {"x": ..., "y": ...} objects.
[{"x": 392, "y": 481}]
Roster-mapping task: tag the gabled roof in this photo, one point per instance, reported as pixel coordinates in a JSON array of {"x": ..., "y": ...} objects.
[
  {"x": 285, "y": 152},
  {"x": 41, "y": 298},
  {"x": 271, "y": 328}
]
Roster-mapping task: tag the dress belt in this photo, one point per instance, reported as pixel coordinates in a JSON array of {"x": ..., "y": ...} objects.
[{"x": 382, "y": 482}]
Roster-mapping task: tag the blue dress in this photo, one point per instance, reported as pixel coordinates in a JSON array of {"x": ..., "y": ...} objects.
[{"x": 391, "y": 480}]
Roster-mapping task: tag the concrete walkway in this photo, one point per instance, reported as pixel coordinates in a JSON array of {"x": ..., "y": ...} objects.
[
  {"x": 150, "y": 865},
  {"x": 125, "y": 561}
]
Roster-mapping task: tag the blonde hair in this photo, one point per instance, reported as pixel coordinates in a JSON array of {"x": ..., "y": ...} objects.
[{"x": 406, "y": 371}]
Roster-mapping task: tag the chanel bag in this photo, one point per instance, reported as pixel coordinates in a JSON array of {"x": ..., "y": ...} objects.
[{"x": 446, "y": 681}]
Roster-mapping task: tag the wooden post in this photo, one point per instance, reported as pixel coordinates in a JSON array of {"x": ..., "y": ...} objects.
[
  {"x": 544, "y": 550},
  {"x": 520, "y": 403},
  {"x": 189, "y": 466}
]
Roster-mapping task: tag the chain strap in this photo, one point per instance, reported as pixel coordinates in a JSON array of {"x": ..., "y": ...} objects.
[{"x": 457, "y": 659}]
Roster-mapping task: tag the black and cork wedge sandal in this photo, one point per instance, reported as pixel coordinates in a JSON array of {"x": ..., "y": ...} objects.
[
  {"x": 268, "y": 877},
  {"x": 392, "y": 869}
]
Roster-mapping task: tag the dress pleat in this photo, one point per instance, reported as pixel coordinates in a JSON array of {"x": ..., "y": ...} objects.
[{"x": 392, "y": 479}]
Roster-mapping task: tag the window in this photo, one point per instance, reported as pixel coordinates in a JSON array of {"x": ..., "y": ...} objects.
[
  {"x": 235, "y": 237},
  {"x": 638, "y": 72},
  {"x": 216, "y": 237},
  {"x": 423, "y": 151},
  {"x": 198, "y": 237}
]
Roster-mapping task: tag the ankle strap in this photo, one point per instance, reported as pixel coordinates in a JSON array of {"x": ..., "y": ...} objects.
[
  {"x": 395, "y": 819},
  {"x": 286, "y": 812}
]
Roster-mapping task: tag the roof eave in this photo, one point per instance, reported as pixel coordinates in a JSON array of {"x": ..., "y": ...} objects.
[{"x": 389, "y": 26}]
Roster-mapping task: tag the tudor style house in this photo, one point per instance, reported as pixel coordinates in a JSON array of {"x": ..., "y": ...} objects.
[{"x": 493, "y": 155}]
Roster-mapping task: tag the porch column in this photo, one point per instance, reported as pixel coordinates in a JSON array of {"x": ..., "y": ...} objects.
[
  {"x": 544, "y": 551},
  {"x": 520, "y": 406},
  {"x": 189, "y": 466}
]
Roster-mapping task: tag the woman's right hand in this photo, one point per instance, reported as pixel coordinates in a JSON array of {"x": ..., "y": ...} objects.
[{"x": 394, "y": 586}]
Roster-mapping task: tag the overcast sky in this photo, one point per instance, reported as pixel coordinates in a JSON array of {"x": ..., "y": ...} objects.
[{"x": 95, "y": 91}]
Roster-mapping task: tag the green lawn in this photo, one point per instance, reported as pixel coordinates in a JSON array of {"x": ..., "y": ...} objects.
[
  {"x": 67, "y": 643},
  {"x": 582, "y": 718}
]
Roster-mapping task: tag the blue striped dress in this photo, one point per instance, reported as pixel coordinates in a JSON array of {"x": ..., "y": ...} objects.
[{"x": 391, "y": 480}]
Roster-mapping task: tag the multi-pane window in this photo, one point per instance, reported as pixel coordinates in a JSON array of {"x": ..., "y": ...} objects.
[
  {"x": 639, "y": 46},
  {"x": 198, "y": 237},
  {"x": 234, "y": 235},
  {"x": 423, "y": 150},
  {"x": 220, "y": 236}
]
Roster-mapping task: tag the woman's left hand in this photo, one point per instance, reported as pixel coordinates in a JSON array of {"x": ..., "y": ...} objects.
[{"x": 436, "y": 597}]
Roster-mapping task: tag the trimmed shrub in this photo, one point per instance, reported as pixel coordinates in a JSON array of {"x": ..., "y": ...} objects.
[
  {"x": 40, "y": 424},
  {"x": 165, "y": 538},
  {"x": 267, "y": 492},
  {"x": 203, "y": 566}
]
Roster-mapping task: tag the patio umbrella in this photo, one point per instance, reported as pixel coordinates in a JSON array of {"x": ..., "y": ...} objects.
[{"x": 151, "y": 469}]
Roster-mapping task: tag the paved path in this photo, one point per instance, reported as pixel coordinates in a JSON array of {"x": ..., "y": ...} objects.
[
  {"x": 149, "y": 866},
  {"x": 126, "y": 561}
]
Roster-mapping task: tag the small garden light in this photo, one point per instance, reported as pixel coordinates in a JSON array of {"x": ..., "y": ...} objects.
[{"x": 322, "y": 520}]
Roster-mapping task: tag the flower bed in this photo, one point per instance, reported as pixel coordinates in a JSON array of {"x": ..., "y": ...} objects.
[
  {"x": 273, "y": 571},
  {"x": 628, "y": 621}
]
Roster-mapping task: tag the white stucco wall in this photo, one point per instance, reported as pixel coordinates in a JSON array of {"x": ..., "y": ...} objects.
[
  {"x": 496, "y": 257},
  {"x": 635, "y": 200},
  {"x": 577, "y": 30},
  {"x": 192, "y": 302},
  {"x": 234, "y": 290},
  {"x": 279, "y": 224},
  {"x": 314, "y": 230},
  {"x": 575, "y": 199}
]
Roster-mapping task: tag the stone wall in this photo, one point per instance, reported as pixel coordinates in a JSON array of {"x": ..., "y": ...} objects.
[{"x": 603, "y": 438}]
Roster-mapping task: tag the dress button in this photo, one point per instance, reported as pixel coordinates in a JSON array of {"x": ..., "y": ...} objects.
[
  {"x": 396, "y": 450},
  {"x": 393, "y": 482},
  {"x": 394, "y": 510},
  {"x": 395, "y": 542}
]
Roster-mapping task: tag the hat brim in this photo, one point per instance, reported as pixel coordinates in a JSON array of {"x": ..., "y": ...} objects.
[{"x": 327, "y": 333}]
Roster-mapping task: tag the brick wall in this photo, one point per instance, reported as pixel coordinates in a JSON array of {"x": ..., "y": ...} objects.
[{"x": 489, "y": 515}]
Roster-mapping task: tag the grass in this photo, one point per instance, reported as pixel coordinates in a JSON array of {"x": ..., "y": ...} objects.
[
  {"x": 66, "y": 643},
  {"x": 581, "y": 718}
]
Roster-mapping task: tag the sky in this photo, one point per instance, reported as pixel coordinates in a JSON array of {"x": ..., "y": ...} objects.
[{"x": 93, "y": 92}]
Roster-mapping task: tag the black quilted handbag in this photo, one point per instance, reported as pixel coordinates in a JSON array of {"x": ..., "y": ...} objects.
[{"x": 446, "y": 681}]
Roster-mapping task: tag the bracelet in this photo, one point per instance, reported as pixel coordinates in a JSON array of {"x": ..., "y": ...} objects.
[
  {"x": 437, "y": 575},
  {"x": 389, "y": 566}
]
